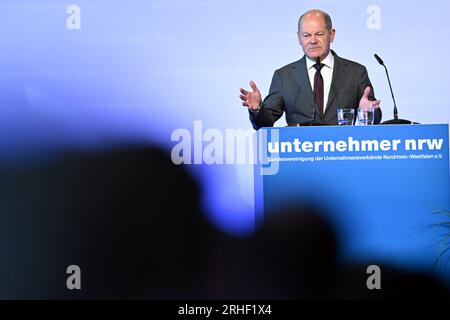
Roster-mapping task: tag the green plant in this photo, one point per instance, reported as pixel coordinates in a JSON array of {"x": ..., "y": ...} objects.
[{"x": 444, "y": 250}]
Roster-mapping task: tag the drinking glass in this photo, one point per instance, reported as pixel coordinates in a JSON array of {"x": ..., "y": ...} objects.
[
  {"x": 345, "y": 116},
  {"x": 366, "y": 116}
]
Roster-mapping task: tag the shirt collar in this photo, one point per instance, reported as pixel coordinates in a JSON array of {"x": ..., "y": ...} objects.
[{"x": 328, "y": 61}]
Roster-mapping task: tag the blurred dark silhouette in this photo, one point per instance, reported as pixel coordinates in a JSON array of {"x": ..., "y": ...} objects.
[
  {"x": 133, "y": 222},
  {"x": 296, "y": 255},
  {"x": 292, "y": 256},
  {"x": 129, "y": 218}
]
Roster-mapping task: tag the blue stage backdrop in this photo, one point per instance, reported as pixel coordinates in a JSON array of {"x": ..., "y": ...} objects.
[{"x": 93, "y": 73}]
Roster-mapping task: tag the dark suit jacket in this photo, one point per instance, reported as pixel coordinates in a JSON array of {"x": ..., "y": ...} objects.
[{"x": 291, "y": 92}]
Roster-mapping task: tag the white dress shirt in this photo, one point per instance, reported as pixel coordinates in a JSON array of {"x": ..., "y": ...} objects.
[{"x": 327, "y": 75}]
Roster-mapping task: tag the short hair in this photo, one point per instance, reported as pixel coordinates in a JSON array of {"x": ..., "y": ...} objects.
[{"x": 326, "y": 16}]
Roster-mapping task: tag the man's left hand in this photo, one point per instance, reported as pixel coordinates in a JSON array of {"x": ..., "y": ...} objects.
[{"x": 365, "y": 103}]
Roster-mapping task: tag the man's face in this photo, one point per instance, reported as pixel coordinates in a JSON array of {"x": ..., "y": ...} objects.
[{"x": 314, "y": 37}]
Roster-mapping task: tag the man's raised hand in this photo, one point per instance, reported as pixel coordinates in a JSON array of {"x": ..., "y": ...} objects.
[
  {"x": 251, "y": 100},
  {"x": 365, "y": 103}
]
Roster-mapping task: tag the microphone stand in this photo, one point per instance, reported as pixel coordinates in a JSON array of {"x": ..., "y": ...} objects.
[{"x": 396, "y": 120}]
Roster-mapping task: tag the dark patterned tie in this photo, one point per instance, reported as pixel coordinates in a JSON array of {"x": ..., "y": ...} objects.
[{"x": 318, "y": 87}]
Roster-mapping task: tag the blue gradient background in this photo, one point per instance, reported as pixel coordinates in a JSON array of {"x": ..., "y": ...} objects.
[{"x": 138, "y": 70}]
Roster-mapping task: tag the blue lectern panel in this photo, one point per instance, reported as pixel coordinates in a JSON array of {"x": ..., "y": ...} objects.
[{"x": 381, "y": 185}]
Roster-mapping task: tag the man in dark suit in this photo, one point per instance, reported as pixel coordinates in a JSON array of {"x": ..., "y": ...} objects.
[{"x": 312, "y": 88}]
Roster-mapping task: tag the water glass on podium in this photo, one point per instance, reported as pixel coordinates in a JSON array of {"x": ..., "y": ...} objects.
[
  {"x": 366, "y": 116},
  {"x": 345, "y": 116}
]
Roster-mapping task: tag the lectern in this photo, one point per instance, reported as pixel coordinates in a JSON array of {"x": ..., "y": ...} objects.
[{"x": 382, "y": 185}]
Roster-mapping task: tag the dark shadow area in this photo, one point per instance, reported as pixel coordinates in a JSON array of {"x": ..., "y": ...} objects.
[
  {"x": 133, "y": 222},
  {"x": 296, "y": 255},
  {"x": 129, "y": 218},
  {"x": 292, "y": 256}
]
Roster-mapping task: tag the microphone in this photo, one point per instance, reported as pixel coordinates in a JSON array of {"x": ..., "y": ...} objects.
[
  {"x": 378, "y": 59},
  {"x": 390, "y": 86},
  {"x": 396, "y": 120}
]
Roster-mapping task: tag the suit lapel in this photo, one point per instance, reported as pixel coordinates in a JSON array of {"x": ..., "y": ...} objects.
[
  {"x": 300, "y": 75},
  {"x": 339, "y": 75}
]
